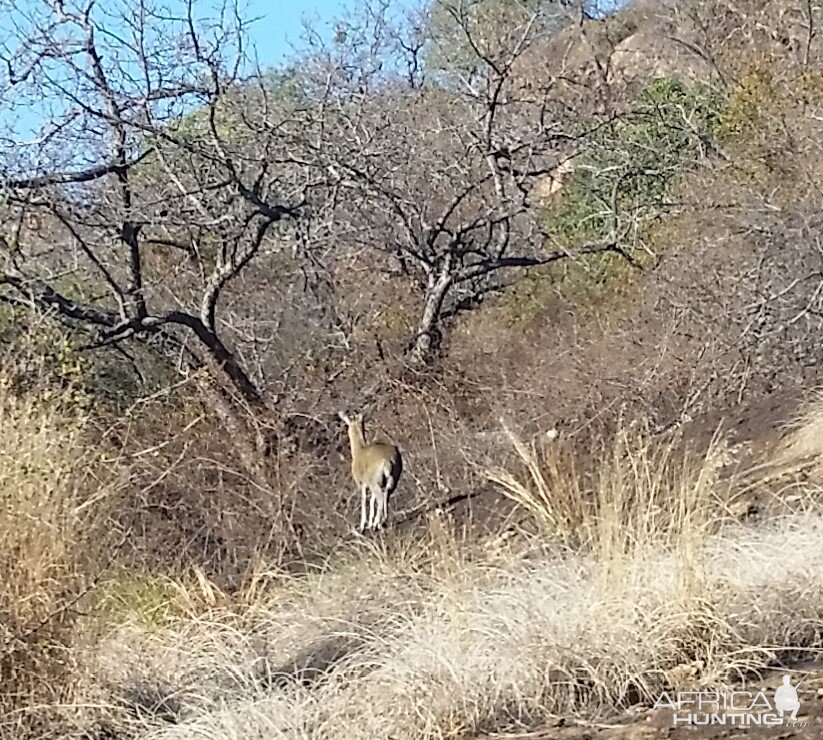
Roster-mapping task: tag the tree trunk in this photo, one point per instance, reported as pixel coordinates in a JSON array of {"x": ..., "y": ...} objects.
[
  {"x": 247, "y": 442},
  {"x": 236, "y": 399},
  {"x": 222, "y": 359},
  {"x": 428, "y": 330}
]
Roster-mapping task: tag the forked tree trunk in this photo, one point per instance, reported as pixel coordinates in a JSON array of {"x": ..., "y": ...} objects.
[{"x": 428, "y": 330}]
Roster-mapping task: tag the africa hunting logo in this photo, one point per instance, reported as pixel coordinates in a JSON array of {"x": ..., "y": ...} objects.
[{"x": 736, "y": 708}]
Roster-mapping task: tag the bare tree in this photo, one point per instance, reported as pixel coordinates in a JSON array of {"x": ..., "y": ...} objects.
[
  {"x": 153, "y": 186},
  {"x": 435, "y": 171}
]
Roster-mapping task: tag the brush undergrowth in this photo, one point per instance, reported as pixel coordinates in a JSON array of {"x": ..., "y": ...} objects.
[{"x": 634, "y": 577}]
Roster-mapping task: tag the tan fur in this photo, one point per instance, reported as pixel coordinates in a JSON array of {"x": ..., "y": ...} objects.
[{"x": 376, "y": 469}]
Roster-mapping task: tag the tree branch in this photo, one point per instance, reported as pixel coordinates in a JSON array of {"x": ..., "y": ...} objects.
[{"x": 66, "y": 178}]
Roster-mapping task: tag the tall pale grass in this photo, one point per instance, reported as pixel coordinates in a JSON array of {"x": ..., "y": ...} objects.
[
  {"x": 549, "y": 488},
  {"x": 801, "y": 446},
  {"x": 450, "y": 652},
  {"x": 638, "y": 491},
  {"x": 54, "y": 504}
]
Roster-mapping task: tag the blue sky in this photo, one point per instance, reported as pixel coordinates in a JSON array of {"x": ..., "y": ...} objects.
[
  {"x": 280, "y": 23},
  {"x": 276, "y": 28}
]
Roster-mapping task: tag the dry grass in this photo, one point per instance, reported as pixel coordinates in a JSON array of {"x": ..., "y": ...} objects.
[
  {"x": 426, "y": 638},
  {"x": 802, "y": 445},
  {"x": 634, "y": 576},
  {"x": 638, "y": 490},
  {"x": 635, "y": 579},
  {"x": 54, "y": 504},
  {"x": 551, "y": 491},
  {"x": 495, "y": 643}
]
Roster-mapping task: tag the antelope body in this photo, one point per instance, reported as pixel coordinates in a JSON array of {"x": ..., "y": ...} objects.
[{"x": 376, "y": 469}]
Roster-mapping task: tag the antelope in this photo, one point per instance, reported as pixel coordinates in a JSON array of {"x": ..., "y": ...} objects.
[{"x": 376, "y": 469}]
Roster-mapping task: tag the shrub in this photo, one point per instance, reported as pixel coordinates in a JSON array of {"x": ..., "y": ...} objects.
[
  {"x": 44, "y": 357},
  {"x": 621, "y": 185},
  {"x": 769, "y": 129},
  {"x": 625, "y": 169}
]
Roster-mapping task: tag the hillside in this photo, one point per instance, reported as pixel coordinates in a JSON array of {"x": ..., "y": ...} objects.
[{"x": 567, "y": 257}]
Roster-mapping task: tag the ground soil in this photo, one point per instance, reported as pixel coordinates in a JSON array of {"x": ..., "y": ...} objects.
[
  {"x": 644, "y": 723},
  {"x": 755, "y": 428}
]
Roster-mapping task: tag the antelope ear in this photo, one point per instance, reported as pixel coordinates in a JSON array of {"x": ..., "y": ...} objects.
[{"x": 343, "y": 417}]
